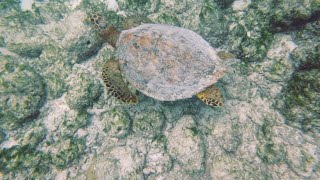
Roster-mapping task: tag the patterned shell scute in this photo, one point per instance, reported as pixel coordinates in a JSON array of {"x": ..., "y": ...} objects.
[{"x": 167, "y": 62}]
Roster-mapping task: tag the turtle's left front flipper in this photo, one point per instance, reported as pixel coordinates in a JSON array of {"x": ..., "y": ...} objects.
[
  {"x": 211, "y": 96},
  {"x": 112, "y": 77}
]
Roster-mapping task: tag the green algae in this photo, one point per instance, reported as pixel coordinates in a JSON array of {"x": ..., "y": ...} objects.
[
  {"x": 70, "y": 124},
  {"x": 168, "y": 18},
  {"x": 120, "y": 124},
  {"x": 18, "y": 158},
  {"x": 224, "y": 3},
  {"x": 2, "y": 136},
  {"x": 212, "y": 24},
  {"x": 22, "y": 92},
  {"x": 251, "y": 37},
  {"x": 83, "y": 92},
  {"x": 2, "y": 41},
  {"x": 268, "y": 151},
  {"x": 149, "y": 125},
  {"x": 26, "y": 50},
  {"x": 271, "y": 153},
  {"x": 26, "y": 155},
  {"x": 71, "y": 148},
  {"x": 302, "y": 97},
  {"x": 8, "y": 6},
  {"x": 56, "y": 85},
  {"x": 291, "y": 14}
]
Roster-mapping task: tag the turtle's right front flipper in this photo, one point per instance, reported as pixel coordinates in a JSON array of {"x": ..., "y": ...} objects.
[{"x": 112, "y": 77}]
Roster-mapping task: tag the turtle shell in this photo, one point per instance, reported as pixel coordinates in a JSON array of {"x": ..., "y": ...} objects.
[{"x": 167, "y": 62}]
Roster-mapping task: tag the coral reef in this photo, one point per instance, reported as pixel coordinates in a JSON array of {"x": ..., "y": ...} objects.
[
  {"x": 83, "y": 90},
  {"x": 302, "y": 100},
  {"x": 22, "y": 92},
  {"x": 58, "y": 121}
]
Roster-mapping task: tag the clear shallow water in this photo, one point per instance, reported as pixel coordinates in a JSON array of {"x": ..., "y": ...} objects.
[{"x": 58, "y": 120}]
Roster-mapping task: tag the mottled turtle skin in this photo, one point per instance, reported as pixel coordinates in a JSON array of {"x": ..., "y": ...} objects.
[{"x": 164, "y": 62}]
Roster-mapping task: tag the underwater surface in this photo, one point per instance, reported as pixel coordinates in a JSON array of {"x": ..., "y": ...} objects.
[{"x": 64, "y": 114}]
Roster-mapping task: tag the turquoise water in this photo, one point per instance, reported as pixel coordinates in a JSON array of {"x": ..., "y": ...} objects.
[{"x": 67, "y": 114}]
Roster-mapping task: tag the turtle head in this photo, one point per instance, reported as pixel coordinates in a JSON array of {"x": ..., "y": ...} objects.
[
  {"x": 106, "y": 30},
  {"x": 96, "y": 20}
]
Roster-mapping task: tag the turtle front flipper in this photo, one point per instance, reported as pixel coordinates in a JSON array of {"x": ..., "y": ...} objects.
[
  {"x": 113, "y": 79},
  {"x": 211, "y": 96}
]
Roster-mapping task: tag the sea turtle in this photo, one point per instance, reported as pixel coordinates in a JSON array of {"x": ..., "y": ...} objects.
[{"x": 162, "y": 61}]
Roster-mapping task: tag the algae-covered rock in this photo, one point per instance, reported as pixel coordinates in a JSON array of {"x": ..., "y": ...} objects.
[
  {"x": 310, "y": 32},
  {"x": 288, "y": 149},
  {"x": 213, "y": 24},
  {"x": 250, "y": 32},
  {"x": 25, "y": 155},
  {"x": 307, "y": 56},
  {"x": 84, "y": 89},
  {"x": 2, "y": 41},
  {"x": 293, "y": 13},
  {"x": 16, "y": 19},
  {"x": 157, "y": 161},
  {"x": 148, "y": 125},
  {"x": 229, "y": 137},
  {"x": 56, "y": 85},
  {"x": 85, "y": 47},
  {"x": 280, "y": 68},
  {"x": 64, "y": 122},
  {"x": 33, "y": 137},
  {"x": 54, "y": 65},
  {"x": 101, "y": 168},
  {"x": 71, "y": 122},
  {"x": 119, "y": 163},
  {"x": 302, "y": 99},
  {"x": 18, "y": 158},
  {"x": 224, "y": 3},
  {"x": 26, "y": 50},
  {"x": 247, "y": 138},
  {"x": 140, "y": 6},
  {"x": 66, "y": 151},
  {"x": 268, "y": 150},
  {"x": 168, "y": 18},
  {"x": 183, "y": 140},
  {"x": 2, "y": 136},
  {"x": 22, "y": 91},
  {"x": 120, "y": 123}
]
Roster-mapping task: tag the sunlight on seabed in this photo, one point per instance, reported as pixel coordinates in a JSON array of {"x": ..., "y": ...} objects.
[{"x": 26, "y": 4}]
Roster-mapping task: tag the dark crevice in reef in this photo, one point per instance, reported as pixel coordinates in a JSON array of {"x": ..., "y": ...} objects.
[
  {"x": 308, "y": 67},
  {"x": 93, "y": 50},
  {"x": 294, "y": 24},
  {"x": 224, "y": 4}
]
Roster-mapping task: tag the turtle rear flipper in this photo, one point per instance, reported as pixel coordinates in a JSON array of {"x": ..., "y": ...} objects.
[
  {"x": 211, "y": 96},
  {"x": 113, "y": 79}
]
